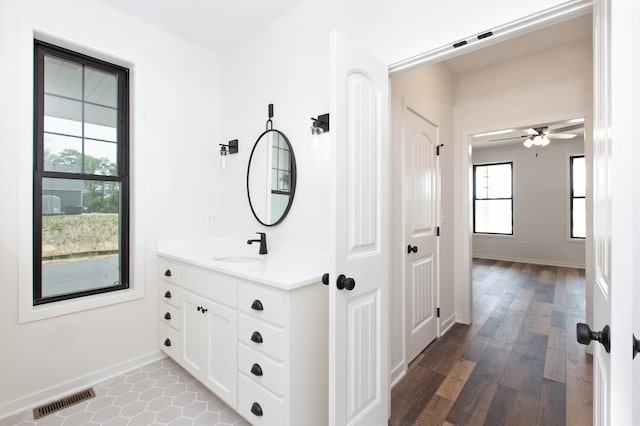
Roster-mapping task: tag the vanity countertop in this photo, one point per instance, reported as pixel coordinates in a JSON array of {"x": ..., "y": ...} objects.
[{"x": 284, "y": 267}]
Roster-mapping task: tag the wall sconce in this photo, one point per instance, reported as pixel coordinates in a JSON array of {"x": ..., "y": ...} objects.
[
  {"x": 320, "y": 124},
  {"x": 230, "y": 148}
]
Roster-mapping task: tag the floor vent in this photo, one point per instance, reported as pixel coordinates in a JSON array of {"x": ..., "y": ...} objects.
[{"x": 67, "y": 401}]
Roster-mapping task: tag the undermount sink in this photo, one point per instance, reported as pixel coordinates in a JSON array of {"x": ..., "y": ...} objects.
[{"x": 235, "y": 259}]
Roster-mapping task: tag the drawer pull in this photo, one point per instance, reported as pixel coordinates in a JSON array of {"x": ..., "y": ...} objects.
[
  {"x": 256, "y": 409},
  {"x": 256, "y": 370},
  {"x": 167, "y": 273},
  {"x": 257, "y": 305},
  {"x": 167, "y": 316},
  {"x": 167, "y": 294},
  {"x": 256, "y": 337},
  {"x": 167, "y": 342}
]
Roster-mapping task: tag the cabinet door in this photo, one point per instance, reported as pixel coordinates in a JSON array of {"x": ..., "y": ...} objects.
[
  {"x": 222, "y": 360},
  {"x": 195, "y": 335}
]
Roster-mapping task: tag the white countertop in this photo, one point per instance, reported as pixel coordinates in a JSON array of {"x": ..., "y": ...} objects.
[{"x": 284, "y": 267}]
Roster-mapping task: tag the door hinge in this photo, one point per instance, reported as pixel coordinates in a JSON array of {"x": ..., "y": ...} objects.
[
  {"x": 438, "y": 312},
  {"x": 438, "y": 149},
  {"x": 437, "y": 231}
]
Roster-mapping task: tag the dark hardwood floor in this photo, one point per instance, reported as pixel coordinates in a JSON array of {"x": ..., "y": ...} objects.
[{"x": 517, "y": 364}]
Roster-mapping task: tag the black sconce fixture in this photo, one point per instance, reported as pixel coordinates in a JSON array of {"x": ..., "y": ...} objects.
[
  {"x": 320, "y": 124},
  {"x": 230, "y": 148}
]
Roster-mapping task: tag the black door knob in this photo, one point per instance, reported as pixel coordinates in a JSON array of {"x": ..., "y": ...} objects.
[
  {"x": 345, "y": 283},
  {"x": 256, "y": 370},
  {"x": 256, "y": 409},
  {"x": 167, "y": 273},
  {"x": 585, "y": 335},
  {"x": 256, "y": 337},
  {"x": 167, "y": 342},
  {"x": 257, "y": 305},
  {"x": 325, "y": 279},
  {"x": 167, "y": 316},
  {"x": 167, "y": 294},
  {"x": 636, "y": 346},
  {"x": 412, "y": 249}
]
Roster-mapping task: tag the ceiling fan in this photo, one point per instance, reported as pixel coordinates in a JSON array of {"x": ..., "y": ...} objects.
[{"x": 541, "y": 136}]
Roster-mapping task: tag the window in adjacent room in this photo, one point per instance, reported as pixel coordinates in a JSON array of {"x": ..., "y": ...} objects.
[
  {"x": 578, "y": 197},
  {"x": 493, "y": 198},
  {"x": 81, "y": 175}
]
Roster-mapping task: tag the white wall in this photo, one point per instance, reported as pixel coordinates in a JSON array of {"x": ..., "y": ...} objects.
[
  {"x": 175, "y": 126},
  {"x": 428, "y": 90},
  {"x": 541, "y": 189}
]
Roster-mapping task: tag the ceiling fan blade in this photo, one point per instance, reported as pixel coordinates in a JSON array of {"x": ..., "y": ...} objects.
[
  {"x": 513, "y": 138},
  {"x": 567, "y": 129},
  {"x": 561, "y": 135}
]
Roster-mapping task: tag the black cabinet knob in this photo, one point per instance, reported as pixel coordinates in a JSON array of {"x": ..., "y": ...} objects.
[
  {"x": 345, "y": 283},
  {"x": 167, "y": 273},
  {"x": 204, "y": 310},
  {"x": 167, "y": 294},
  {"x": 325, "y": 279},
  {"x": 167, "y": 342},
  {"x": 256, "y": 337},
  {"x": 636, "y": 346},
  {"x": 167, "y": 316},
  {"x": 585, "y": 335},
  {"x": 257, "y": 305},
  {"x": 412, "y": 249},
  {"x": 256, "y": 370},
  {"x": 256, "y": 409},
  {"x": 198, "y": 308}
]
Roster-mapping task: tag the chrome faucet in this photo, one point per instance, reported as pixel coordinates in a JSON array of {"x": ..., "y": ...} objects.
[{"x": 262, "y": 241}]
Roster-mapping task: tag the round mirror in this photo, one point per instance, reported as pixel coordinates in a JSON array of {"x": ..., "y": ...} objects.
[{"x": 271, "y": 177}]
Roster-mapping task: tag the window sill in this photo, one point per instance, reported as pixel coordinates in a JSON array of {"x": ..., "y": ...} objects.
[{"x": 507, "y": 236}]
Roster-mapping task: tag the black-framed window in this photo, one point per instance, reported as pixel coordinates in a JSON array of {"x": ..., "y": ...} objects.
[
  {"x": 80, "y": 175},
  {"x": 578, "y": 197},
  {"x": 493, "y": 198}
]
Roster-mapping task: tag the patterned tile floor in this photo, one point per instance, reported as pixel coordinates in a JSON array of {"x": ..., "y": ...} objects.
[{"x": 160, "y": 393}]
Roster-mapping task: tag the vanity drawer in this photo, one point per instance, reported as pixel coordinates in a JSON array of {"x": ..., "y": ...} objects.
[
  {"x": 170, "y": 294},
  {"x": 170, "y": 341},
  {"x": 262, "y": 303},
  {"x": 261, "y": 369},
  {"x": 217, "y": 287},
  {"x": 257, "y": 405},
  {"x": 273, "y": 338},
  {"x": 170, "y": 315},
  {"x": 170, "y": 271}
]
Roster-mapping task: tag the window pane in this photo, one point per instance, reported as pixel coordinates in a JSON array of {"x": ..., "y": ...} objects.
[
  {"x": 579, "y": 176},
  {"x": 482, "y": 182},
  {"x": 80, "y": 235},
  {"x": 101, "y": 88},
  {"x": 499, "y": 181},
  {"x": 62, "y": 116},
  {"x": 283, "y": 180},
  {"x": 100, "y": 158},
  {"x": 283, "y": 162},
  {"x": 62, "y": 154},
  {"x": 579, "y": 212},
  {"x": 62, "y": 77},
  {"x": 493, "y": 216},
  {"x": 100, "y": 123}
]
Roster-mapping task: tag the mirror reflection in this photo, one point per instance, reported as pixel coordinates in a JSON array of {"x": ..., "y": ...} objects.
[{"x": 271, "y": 177}]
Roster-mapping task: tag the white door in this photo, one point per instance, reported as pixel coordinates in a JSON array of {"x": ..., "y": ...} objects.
[
  {"x": 358, "y": 358},
  {"x": 613, "y": 212},
  {"x": 421, "y": 193}
]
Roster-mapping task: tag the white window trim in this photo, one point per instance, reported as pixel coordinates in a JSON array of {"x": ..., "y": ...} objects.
[
  {"x": 26, "y": 311},
  {"x": 513, "y": 234}
]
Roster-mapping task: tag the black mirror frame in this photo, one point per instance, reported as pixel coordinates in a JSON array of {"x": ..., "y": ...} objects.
[{"x": 294, "y": 176}]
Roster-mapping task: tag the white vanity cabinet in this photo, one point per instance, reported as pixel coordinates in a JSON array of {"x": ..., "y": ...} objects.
[{"x": 254, "y": 333}]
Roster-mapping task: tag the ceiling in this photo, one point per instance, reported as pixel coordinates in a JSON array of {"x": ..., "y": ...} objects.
[{"x": 214, "y": 24}]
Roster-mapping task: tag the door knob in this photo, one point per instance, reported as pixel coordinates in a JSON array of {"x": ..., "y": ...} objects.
[
  {"x": 412, "y": 249},
  {"x": 345, "y": 283},
  {"x": 585, "y": 335},
  {"x": 325, "y": 279},
  {"x": 636, "y": 346}
]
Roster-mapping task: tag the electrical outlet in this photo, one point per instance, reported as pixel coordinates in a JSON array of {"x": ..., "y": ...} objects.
[{"x": 212, "y": 219}]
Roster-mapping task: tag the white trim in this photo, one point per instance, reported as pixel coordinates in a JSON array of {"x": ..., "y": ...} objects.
[
  {"x": 58, "y": 391},
  {"x": 448, "y": 323},
  {"x": 544, "y": 262},
  {"x": 26, "y": 311},
  {"x": 397, "y": 374},
  {"x": 501, "y": 33}
]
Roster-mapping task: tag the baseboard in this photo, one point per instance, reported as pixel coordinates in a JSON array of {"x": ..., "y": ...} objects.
[
  {"x": 446, "y": 324},
  {"x": 397, "y": 374},
  {"x": 544, "y": 262},
  {"x": 58, "y": 391}
]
